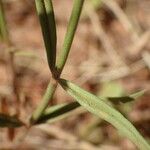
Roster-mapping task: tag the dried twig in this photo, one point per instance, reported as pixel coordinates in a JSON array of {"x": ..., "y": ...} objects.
[
  {"x": 63, "y": 135},
  {"x": 122, "y": 17},
  {"x": 139, "y": 44},
  {"x": 99, "y": 31}
]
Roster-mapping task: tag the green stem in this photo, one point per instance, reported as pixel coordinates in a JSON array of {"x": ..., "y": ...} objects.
[
  {"x": 46, "y": 16},
  {"x": 45, "y": 101},
  {"x": 73, "y": 22},
  {"x": 47, "y": 21},
  {"x": 3, "y": 28}
]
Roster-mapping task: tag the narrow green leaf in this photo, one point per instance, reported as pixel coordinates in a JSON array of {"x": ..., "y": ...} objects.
[
  {"x": 137, "y": 94},
  {"x": 119, "y": 100},
  {"x": 126, "y": 99},
  {"x": 52, "y": 24},
  {"x": 98, "y": 107},
  {"x": 58, "y": 112},
  {"x": 45, "y": 26},
  {"x": 115, "y": 93},
  {"x": 9, "y": 121},
  {"x": 72, "y": 26}
]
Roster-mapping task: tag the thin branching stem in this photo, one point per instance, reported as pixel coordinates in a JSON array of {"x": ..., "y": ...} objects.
[
  {"x": 44, "y": 102},
  {"x": 47, "y": 21},
  {"x": 73, "y": 22},
  {"x": 46, "y": 16}
]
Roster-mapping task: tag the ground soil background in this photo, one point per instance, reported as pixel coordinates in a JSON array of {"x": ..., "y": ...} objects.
[{"x": 110, "y": 47}]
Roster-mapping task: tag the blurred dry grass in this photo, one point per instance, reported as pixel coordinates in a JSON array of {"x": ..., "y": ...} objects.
[{"x": 111, "y": 43}]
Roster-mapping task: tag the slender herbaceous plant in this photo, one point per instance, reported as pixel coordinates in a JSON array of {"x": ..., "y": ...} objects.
[{"x": 84, "y": 100}]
